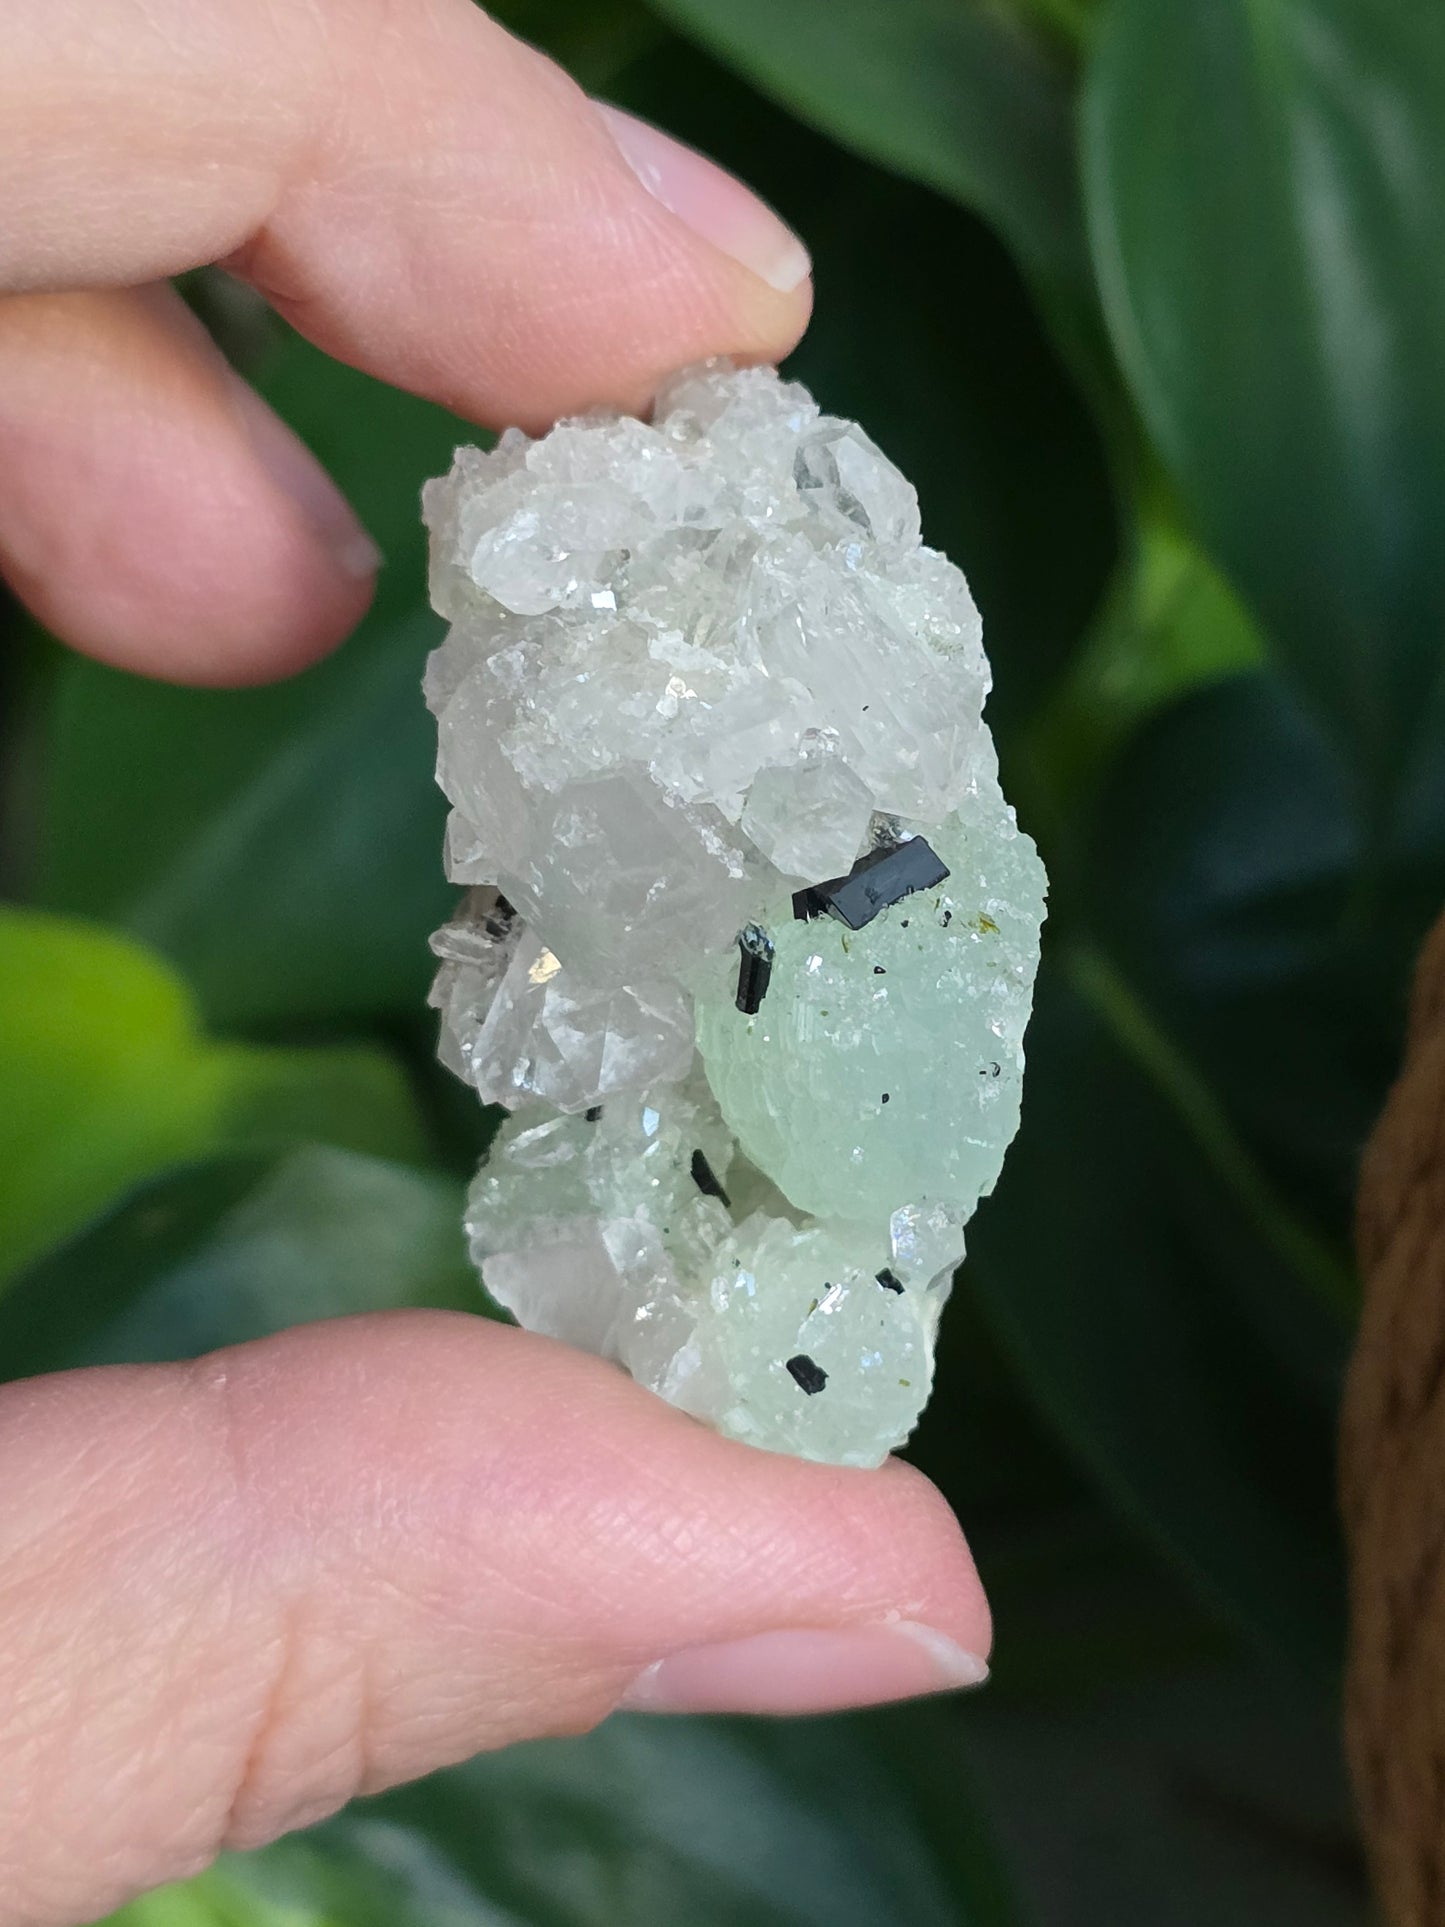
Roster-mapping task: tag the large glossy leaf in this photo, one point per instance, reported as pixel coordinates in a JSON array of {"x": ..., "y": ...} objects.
[
  {"x": 1266, "y": 188},
  {"x": 236, "y": 1248},
  {"x": 1210, "y": 1796},
  {"x": 1218, "y": 1019},
  {"x": 641, "y": 1824},
  {"x": 1181, "y": 1308},
  {"x": 281, "y": 845},
  {"x": 595, "y": 40},
  {"x": 214, "y": 1900},
  {"x": 1118, "y": 1262},
  {"x": 108, "y": 1077},
  {"x": 1236, "y": 876},
  {"x": 957, "y": 94},
  {"x": 1168, "y": 625}
]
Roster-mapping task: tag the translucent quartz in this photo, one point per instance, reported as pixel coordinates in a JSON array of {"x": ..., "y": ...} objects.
[
  {"x": 811, "y": 817},
  {"x": 518, "y": 1027},
  {"x": 700, "y": 673}
]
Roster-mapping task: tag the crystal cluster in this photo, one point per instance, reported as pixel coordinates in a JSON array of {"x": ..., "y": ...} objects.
[{"x": 749, "y": 938}]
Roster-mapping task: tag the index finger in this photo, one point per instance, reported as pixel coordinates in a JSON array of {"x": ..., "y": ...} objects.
[{"x": 420, "y": 193}]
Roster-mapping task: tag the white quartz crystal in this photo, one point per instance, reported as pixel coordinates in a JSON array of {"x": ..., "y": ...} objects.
[{"x": 703, "y": 682}]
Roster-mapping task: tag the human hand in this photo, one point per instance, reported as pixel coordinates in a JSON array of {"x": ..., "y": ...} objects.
[{"x": 235, "y": 1593}]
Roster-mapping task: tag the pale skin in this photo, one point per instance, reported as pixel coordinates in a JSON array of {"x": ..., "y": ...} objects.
[{"x": 236, "y": 1593}]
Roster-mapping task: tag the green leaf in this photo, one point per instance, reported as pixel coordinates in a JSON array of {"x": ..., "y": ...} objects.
[
  {"x": 1238, "y": 895},
  {"x": 1081, "y": 1604},
  {"x": 1170, "y": 624},
  {"x": 595, "y": 40},
  {"x": 644, "y": 1823},
  {"x": 1218, "y": 1024},
  {"x": 1320, "y": 1268},
  {"x": 1268, "y": 218},
  {"x": 108, "y": 1077},
  {"x": 954, "y": 93},
  {"x": 1124, "y": 1305},
  {"x": 237, "y": 1248},
  {"x": 281, "y": 845},
  {"x": 1073, "y": 22},
  {"x": 1213, "y": 1796},
  {"x": 216, "y": 1900}
]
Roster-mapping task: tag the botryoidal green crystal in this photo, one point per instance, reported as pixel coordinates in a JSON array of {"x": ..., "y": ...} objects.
[{"x": 750, "y": 933}]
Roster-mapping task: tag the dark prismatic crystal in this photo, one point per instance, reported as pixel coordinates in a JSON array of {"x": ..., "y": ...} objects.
[
  {"x": 707, "y": 1180},
  {"x": 876, "y": 880},
  {"x": 809, "y": 1377},
  {"x": 755, "y": 967}
]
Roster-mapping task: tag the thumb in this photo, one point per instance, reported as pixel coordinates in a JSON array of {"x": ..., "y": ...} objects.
[{"x": 316, "y": 1565}]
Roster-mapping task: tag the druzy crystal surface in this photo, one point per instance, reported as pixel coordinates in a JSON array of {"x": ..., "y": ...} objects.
[{"x": 749, "y": 933}]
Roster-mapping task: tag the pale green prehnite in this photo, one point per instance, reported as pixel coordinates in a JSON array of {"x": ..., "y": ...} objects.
[
  {"x": 901, "y": 1044},
  {"x": 594, "y": 1231},
  {"x": 706, "y": 710}
]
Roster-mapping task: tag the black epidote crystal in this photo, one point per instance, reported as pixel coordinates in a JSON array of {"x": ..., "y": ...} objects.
[
  {"x": 755, "y": 967},
  {"x": 706, "y": 1179},
  {"x": 881, "y": 877},
  {"x": 810, "y": 1377}
]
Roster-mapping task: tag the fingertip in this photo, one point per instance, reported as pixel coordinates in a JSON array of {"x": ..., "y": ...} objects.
[
  {"x": 542, "y": 255},
  {"x": 295, "y": 472},
  {"x": 714, "y": 271},
  {"x": 153, "y": 512},
  {"x": 828, "y": 1670},
  {"x": 953, "y": 1599},
  {"x": 713, "y": 203}
]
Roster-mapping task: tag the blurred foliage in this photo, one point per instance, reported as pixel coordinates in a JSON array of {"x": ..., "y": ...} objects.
[
  {"x": 1149, "y": 299},
  {"x": 109, "y": 1078}
]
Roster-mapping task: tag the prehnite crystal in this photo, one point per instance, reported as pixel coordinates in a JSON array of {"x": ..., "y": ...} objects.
[{"x": 750, "y": 935}]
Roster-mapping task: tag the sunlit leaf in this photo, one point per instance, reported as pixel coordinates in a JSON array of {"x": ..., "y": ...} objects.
[
  {"x": 109, "y": 1077},
  {"x": 237, "y": 1248},
  {"x": 1267, "y": 201},
  {"x": 1170, "y": 624},
  {"x": 953, "y": 93}
]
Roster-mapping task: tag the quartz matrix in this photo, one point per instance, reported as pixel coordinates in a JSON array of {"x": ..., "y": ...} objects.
[{"x": 749, "y": 938}]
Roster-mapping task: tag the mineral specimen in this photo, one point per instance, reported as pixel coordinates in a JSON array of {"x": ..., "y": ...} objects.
[{"x": 749, "y": 943}]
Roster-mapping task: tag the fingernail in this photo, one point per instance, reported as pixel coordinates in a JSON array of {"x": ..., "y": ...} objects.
[
  {"x": 711, "y": 201},
  {"x": 807, "y": 1672},
  {"x": 298, "y": 474}
]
